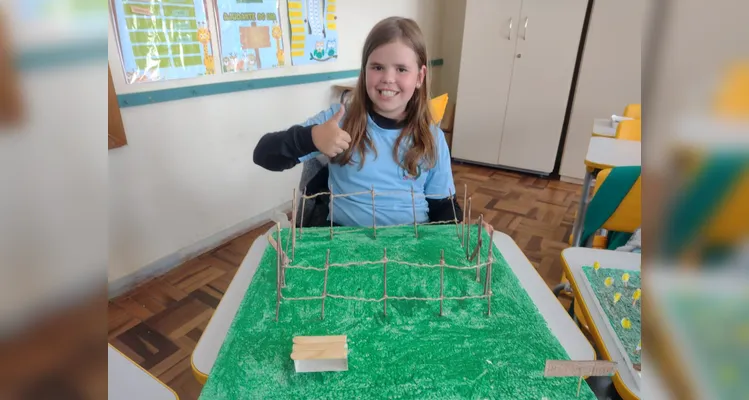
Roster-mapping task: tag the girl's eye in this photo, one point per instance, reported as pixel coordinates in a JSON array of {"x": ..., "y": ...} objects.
[
  {"x": 402, "y": 70},
  {"x": 377, "y": 68}
]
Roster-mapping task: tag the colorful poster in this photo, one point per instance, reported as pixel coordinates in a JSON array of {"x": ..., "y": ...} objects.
[
  {"x": 314, "y": 34},
  {"x": 250, "y": 33},
  {"x": 163, "y": 39}
]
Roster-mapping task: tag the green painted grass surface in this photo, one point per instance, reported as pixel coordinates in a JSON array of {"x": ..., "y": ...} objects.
[
  {"x": 715, "y": 329},
  {"x": 623, "y": 308},
  {"x": 411, "y": 353}
]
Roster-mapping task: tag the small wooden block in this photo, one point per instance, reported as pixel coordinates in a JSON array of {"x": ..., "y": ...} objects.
[
  {"x": 319, "y": 339},
  {"x": 320, "y": 353},
  {"x": 579, "y": 368},
  {"x": 314, "y": 346}
]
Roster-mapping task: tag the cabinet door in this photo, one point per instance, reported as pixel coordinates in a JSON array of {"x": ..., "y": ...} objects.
[
  {"x": 489, "y": 39},
  {"x": 548, "y": 40}
]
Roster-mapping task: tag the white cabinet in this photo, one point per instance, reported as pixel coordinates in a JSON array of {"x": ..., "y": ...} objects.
[{"x": 516, "y": 68}]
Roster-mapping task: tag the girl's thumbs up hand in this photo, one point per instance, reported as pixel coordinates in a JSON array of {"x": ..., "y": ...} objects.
[{"x": 329, "y": 138}]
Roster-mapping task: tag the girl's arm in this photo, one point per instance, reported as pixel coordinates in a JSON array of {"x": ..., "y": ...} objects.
[
  {"x": 278, "y": 151},
  {"x": 441, "y": 210},
  {"x": 440, "y": 181}
]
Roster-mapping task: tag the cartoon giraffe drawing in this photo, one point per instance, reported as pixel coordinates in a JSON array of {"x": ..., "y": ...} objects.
[
  {"x": 277, "y": 33},
  {"x": 204, "y": 37}
]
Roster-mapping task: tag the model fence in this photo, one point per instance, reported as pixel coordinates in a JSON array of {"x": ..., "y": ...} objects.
[{"x": 284, "y": 262}]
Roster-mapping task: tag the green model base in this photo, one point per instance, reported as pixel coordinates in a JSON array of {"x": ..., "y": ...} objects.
[
  {"x": 413, "y": 352},
  {"x": 623, "y": 308}
]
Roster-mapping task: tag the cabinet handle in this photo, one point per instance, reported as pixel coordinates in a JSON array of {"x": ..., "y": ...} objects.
[
  {"x": 525, "y": 29},
  {"x": 509, "y": 35}
]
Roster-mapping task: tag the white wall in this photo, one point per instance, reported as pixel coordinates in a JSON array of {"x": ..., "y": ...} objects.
[
  {"x": 609, "y": 77},
  {"x": 186, "y": 179}
]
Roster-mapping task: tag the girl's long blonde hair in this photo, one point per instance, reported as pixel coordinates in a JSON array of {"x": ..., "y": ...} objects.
[{"x": 418, "y": 118}]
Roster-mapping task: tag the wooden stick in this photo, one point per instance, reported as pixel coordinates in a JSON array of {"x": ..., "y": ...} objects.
[
  {"x": 463, "y": 225},
  {"x": 280, "y": 250},
  {"x": 478, "y": 248},
  {"x": 293, "y": 225},
  {"x": 374, "y": 220},
  {"x": 442, "y": 278},
  {"x": 489, "y": 278},
  {"x": 325, "y": 284},
  {"x": 455, "y": 214},
  {"x": 488, "y": 271},
  {"x": 489, "y": 293},
  {"x": 413, "y": 203},
  {"x": 468, "y": 229},
  {"x": 278, "y": 273},
  {"x": 579, "y": 384},
  {"x": 385, "y": 279},
  {"x": 301, "y": 217},
  {"x": 284, "y": 258},
  {"x": 331, "y": 211}
]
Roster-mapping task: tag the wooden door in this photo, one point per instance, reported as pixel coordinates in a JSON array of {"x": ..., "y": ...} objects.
[
  {"x": 486, "y": 63},
  {"x": 116, "y": 127},
  {"x": 548, "y": 40},
  {"x": 10, "y": 94}
]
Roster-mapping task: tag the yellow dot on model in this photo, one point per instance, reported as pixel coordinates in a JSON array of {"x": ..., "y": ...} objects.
[
  {"x": 626, "y": 323},
  {"x": 636, "y": 296},
  {"x": 608, "y": 281},
  {"x": 617, "y": 297},
  {"x": 596, "y": 266}
]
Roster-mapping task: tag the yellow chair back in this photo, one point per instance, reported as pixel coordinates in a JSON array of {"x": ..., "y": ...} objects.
[
  {"x": 732, "y": 99},
  {"x": 633, "y": 111},
  {"x": 628, "y": 216},
  {"x": 629, "y": 130},
  {"x": 437, "y": 106},
  {"x": 731, "y": 223}
]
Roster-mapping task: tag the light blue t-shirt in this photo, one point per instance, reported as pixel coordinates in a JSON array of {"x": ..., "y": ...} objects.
[{"x": 392, "y": 183}]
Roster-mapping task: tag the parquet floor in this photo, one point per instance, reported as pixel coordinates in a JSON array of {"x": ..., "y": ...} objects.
[{"x": 159, "y": 323}]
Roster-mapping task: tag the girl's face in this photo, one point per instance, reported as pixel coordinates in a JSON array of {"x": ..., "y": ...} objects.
[{"x": 393, "y": 75}]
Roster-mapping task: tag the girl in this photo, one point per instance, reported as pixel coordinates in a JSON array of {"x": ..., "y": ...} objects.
[{"x": 383, "y": 140}]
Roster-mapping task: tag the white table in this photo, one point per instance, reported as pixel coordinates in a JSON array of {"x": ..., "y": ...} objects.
[
  {"x": 662, "y": 284},
  {"x": 627, "y": 380},
  {"x": 602, "y": 153},
  {"x": 557, "y": 318},
  {"x": 604, "y": 127},
  {"x": 127, "y": 380}
]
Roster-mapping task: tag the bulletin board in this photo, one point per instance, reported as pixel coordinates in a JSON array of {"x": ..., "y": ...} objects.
[
  {"x": 283, "y": 60},
  {"x": 250, "y": 35},
  {"x": 163, "y": 40},
  {"x": 314, "y": 31}
]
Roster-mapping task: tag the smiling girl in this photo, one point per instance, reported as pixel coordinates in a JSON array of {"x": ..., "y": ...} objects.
[{"x": 384, "y": 139}]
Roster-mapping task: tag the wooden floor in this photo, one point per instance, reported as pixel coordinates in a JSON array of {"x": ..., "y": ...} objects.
[{"x": 159, "y": 323}]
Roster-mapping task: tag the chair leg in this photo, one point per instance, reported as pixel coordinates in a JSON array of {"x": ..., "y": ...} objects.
[{"x": 571, "y": 311}]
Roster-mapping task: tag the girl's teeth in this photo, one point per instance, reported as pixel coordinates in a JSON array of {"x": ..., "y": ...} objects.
[{"x": 388, "y": 93}]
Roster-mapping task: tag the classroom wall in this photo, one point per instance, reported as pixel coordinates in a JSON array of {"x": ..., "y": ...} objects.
[
  {"x": 186, "y": 181},
  {"x": 609, "y": 77}
]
